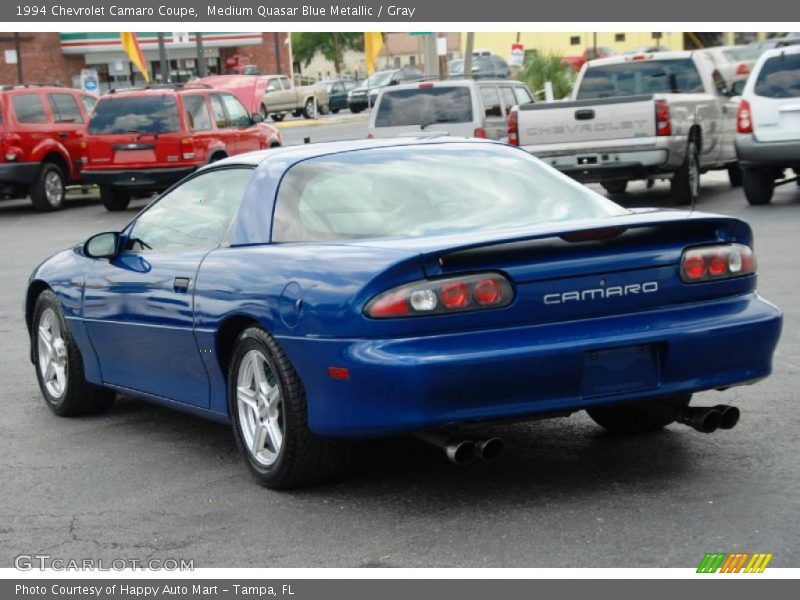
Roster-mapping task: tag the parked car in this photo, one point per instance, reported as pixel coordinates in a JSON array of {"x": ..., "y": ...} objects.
[
  {"x": 733, "y": 62},
  {"x": 483, "y": 67},
  {"x": 147, "y": 139},
  {"x": 337, "y": 93},
  {"x": 465, "y": 107},
  {"x": 363, "y": 96},
  {"x": 665, "y": 115},
  {"x": 272, "y": 95},
  {"x": 576, "y": 62},
  {"x": 768, "y": 124},
  {"x": 370, "y": 288},
  {"x": 41, "y": 129}
]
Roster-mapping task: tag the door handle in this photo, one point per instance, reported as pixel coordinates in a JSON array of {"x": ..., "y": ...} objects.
[
  {"x": 62, "y": 134},
  {"x": 181, "y": 284}
]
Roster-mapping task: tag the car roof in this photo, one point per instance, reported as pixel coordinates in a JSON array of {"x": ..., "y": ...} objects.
[
  {"x": 295, "y": 154},
  {"x": 778, "y": 51},
  {"x": 454, "y": 83},
  {"x": 29, "y": 87},
  {"x": 623, "y": 58}
]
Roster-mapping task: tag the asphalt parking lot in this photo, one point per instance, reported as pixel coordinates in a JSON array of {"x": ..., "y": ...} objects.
[{"x": 145, "y": 482}]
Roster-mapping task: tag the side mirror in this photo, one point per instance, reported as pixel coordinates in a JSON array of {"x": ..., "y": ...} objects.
[
  {"x": 256, "y": 117},
  {"x": 102, "y": 245}
]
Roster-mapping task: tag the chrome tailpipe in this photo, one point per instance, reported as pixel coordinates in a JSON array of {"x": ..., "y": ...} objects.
[
  {"x": 490, "y": 449},
  {"x": 458, "y": 450},
  {"x": 700, "y": 418},
  {"x": 729, "y": 416}
]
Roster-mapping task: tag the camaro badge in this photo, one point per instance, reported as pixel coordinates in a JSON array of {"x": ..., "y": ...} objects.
[{"x": 613, "y": 291}]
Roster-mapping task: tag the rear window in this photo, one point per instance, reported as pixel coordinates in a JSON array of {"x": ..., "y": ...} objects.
[
  {"x": 424, "y": 107},
  {"x": 135, "y": 114},
  {"x": 779, "y": 77},
  {"x": 426, "y": 190},
  {"x": 678, "y": 76},
  {"x": 29, "y": 108}
]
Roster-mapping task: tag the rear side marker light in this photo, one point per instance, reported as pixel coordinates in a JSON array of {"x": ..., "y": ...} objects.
[
  {"x": 512, "y": 128},
  {"x": 338, "y": 373},
  {"x": 742, "y": 69},
  {"x": 744, "y": 122},
  {"x": 712, "y": 263},
  {"x": 663, "y": 121},
  {"x": 442, "y": 296}
]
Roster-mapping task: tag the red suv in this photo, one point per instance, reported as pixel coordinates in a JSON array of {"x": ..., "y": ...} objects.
[
  {"x": 146, "y": 139},
  {"x": 41, "y": 128}
]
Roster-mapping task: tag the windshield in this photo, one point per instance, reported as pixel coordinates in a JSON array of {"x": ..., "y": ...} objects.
[
  {"x": 678, "y": 76},
  {"x": 743, "y": 53},
  {"x": 424, "y": 107},
  {"x": 456, "y": 67},
  {"x": 424, "y": 190},
  {"x": 135, "y": 114},
  {"x": 379, "y": 79}
]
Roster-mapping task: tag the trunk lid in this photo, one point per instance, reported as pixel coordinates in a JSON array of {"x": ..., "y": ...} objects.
[{"x": 587, "y": 120}]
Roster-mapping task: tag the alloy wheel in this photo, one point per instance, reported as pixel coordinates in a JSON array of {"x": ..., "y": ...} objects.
[
  {"x": 258, "y": 401},
  {"x": 52, "y": 351}
]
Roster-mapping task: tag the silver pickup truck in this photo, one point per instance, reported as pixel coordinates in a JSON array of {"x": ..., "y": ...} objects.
[{"x": 666, "y": 115}]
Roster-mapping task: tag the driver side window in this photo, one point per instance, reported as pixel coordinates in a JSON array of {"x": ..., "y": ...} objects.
[{"x": 193, "y": 216}]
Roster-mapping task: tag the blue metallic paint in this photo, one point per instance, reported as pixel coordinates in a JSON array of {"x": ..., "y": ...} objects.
[{"x": 408, "y": 374}]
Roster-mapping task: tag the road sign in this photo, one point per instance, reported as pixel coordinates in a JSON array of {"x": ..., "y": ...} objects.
[
  {"x": 517, "y": 55},
  {"x": 89, "y": 81}
]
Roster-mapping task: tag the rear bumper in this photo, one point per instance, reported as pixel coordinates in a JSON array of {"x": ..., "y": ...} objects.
[
  {"x": 403, "y": 385},
  {"x": 140, "y": 179},
  {"x": 599, "y": 162},
  {"x": 19, "y": 174},
  {"x": 767, "y": 154}
]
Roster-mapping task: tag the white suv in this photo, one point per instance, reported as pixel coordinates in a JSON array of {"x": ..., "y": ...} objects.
[{"x": 768, "y": 124}]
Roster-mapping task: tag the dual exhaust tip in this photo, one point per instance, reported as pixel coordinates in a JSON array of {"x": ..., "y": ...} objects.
[
  {"x": 463, "y": 451},
  {"x": 707, "y": 419}
]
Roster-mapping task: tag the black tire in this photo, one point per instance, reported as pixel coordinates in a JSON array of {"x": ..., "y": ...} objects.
[
  {"x": 78, "y": 396},
  {"x": 735, "y": 175},
  {"x": 685, "y": 185},
  {"x": 615, "y": 187},
  {"x": 639, "y": 417},
  {"x": 216, "y": 157},
  {"x": 114, "y": 199},
  {"x": 309, "y": 110},
  {"x": 48, "y": 191},
  {"x": 335, "y": 111},
  {"x": 303, "y": 458},
  {"x": 278, "y": 117},
  {"x": 759, "y": 185},
  {"x": 324, "y": 109},
  {"x": 297, "y": 113},
  {"x": 355, "y": 111}
]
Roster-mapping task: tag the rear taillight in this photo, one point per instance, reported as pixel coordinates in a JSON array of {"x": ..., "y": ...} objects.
[
  {"x": 744, "y": 121},
  {"x": 187, "y": 148},
  {"x": 742, "y": 69},
  {"x": 479, "y": 132},
  {"x": 512, "y": 128},
  {"x": 663, "y": 122},
  {"x": 442, "y": 296},
  {"x": 426, "y": 85},
  {"x": 711, "y": 263}
]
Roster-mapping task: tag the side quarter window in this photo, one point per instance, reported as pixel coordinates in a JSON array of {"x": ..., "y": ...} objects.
[
  {"x": 491, "y": 101},
  {"x": 193, "y": 216},
  {"x": 29, "y": 108},
  {"x": 273, "y": 85}
]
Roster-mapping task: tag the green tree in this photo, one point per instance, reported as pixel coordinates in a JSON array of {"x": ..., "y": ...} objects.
[
  {"x": 539, "y": 68},
  {"x": 331, "y": 45}
]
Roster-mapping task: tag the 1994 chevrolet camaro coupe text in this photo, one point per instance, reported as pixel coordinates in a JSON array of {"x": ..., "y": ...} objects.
[{"x": 358, "y": 289}]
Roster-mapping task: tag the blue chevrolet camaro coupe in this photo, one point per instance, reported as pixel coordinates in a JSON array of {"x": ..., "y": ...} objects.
[{"x": 359, "y": 289}]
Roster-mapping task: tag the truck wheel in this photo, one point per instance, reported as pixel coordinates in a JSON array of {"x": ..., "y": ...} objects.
[
  {"x": 59, "y": 366},
  {"x": 615, "y": 187},
  {"x": 735, "y": 175},
  {"x": 268, "y": 409},
  {"x": 114, "y": 199},
  {"x": 335, "y": 111},
  {"x": 309, "y": 110},
  {"x": 758, "y": 186},
  {"x": 297, "y": 113},
  {"x": 278, "y": 117},
  {"x": 685, "y": 187},
  {"x": 47, "y": 192},
  {"x": 639, "y": 417},
  {"x": 355, "y": 111},
  {"x": 324, "y": 109}
]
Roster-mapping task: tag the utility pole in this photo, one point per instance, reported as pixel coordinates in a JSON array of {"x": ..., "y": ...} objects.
[
  {"x": 17, "y": 49},
  {"x": 201, "y": 55},
  {"x": 468, "y": 55},
  {"x": 594, "y": 45},
  {"x": 162, "y": 59},
  {"x": 337, "y": 57},
  {"x": 430, "y": 56},
  {"x": 277, "y": 39}
]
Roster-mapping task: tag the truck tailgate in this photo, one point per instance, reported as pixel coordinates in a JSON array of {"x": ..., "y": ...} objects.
[{"x": 586, "y": 121}]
